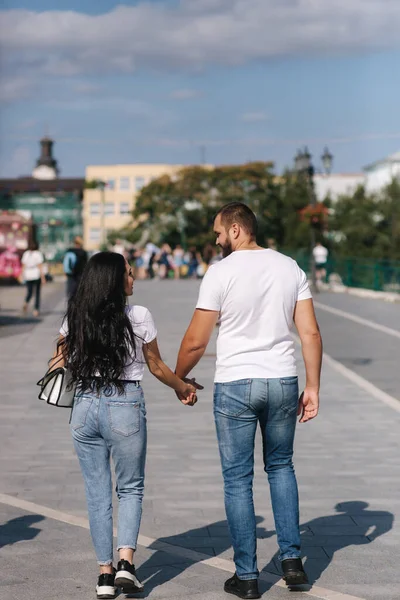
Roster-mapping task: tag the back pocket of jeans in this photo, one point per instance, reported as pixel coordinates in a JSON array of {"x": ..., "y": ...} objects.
[
  {"x": 233, "y": 398},
  {"x": 80, "y": 411},
  {"x": 124, "y": 417},
  {"x": 290, "y": 394}
]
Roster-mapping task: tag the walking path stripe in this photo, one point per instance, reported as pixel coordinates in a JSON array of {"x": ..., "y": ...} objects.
[
  {"x": 356, "y": 319},
  {"x": 147, "y": 542},
  {"x": 365, "y": 385}
]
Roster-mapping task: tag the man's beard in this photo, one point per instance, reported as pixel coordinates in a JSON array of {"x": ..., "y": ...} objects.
[{"x": 226, "y": 249}]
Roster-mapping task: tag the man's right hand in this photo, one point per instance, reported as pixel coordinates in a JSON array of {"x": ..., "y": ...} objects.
[
  {"x": 187, "y": 395},
  {"x": 308, "y": 405}
]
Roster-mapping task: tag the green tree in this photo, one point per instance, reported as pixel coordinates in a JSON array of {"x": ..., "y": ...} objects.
[
  {"x": 181, "y": 207},
  {"x": 367, "y": 225}
]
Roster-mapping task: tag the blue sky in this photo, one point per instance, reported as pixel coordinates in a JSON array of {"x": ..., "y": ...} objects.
[{"x": 172, "y": 81}]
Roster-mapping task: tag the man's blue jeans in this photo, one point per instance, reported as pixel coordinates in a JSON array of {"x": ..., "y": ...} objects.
[
  {"x": 238, "y": 407},
  {"x": 111, "y": 427}
]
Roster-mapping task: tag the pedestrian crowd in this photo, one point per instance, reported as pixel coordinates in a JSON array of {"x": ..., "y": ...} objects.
[{"x": 164, "y": 262}]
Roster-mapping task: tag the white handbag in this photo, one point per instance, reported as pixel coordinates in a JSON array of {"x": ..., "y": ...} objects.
[{"x": 57, "y": 388}]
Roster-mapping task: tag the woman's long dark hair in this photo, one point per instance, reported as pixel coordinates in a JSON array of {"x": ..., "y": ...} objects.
[{"x": 100, "y": 341}]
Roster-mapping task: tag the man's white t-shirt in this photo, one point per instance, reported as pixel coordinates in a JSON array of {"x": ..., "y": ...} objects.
[
  {"x": 255, "y": 292},
  {"x": 320, "y": 254},
  {"x": 31, "y": 259},
  {"x": 145, "y": 332}
]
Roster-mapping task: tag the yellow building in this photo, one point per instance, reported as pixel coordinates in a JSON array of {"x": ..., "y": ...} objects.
[{"x": 110, "y": 209}]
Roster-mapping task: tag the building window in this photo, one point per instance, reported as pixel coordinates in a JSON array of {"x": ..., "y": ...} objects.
[
  {"x": 124, "y": 183},
  {"x": 94, "y": 209},
  {"x": 124, "y": 208},
  {"x": 95, "y": 234},
  {"x": 109, "y": 208},
  {"x": 111, "y": 184},
  {"x": 139, "y": 183}
]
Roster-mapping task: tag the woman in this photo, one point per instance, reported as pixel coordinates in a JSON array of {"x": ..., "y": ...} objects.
[
  {"x": 105, "y": 344},
  {"x": 33, "y": 275}
]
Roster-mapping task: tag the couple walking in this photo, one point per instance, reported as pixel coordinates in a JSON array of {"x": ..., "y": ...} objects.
[{"x": 257, "y": 294}]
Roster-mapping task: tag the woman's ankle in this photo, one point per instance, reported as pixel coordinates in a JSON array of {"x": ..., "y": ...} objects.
[
  {"x": 106, "y": 569},
  {"x": 126, "y": 554}
]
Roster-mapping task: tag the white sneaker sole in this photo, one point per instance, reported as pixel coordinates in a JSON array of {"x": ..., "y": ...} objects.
[
  {"x": 106, "y": 591},
  {"x": 126, "y": 580}
]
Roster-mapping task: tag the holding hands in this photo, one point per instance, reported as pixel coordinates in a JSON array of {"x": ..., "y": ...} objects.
[{"x": 187, "y": 393}]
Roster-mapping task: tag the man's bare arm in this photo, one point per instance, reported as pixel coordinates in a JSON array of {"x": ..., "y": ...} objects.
[
  {"x": 311, "y": 346},
  {"x": 195, "y": 340}
]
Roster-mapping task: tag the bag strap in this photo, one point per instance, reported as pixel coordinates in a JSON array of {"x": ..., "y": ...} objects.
[{"x": 49, "y": 370}]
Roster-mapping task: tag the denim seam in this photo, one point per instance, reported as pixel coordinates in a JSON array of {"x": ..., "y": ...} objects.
[{"x": 81, "y": 425}]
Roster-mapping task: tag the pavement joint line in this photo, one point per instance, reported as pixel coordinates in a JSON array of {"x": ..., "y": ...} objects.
[
  {"x": 346, "y": 315},
  {"x": 362, "y": 383},
  {"x": 212, "y": 561}
]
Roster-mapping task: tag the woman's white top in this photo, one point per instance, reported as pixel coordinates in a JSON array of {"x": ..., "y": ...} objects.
[{"x": 31, "y": 259}]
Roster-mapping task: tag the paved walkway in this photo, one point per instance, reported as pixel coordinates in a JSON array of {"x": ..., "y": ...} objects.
[{"x": 346, "y": 461}]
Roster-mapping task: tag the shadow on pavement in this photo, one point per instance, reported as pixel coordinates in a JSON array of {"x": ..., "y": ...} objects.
[
  {"x": 370, "y": 525},
  {"x": 380, "y": 521},
  {"x": 155, "y": 572},
  {"x": 7, "y": 320},
  {"x": 19, "y": 529}
]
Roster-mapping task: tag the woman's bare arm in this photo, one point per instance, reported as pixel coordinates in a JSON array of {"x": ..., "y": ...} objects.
[{"x": 59, "y": 357}]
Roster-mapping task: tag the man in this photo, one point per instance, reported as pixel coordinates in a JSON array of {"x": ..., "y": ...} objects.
[
  {"x": 258, "y": 294},
  {"x": 74, "y": 263},
  {"x": 320, "y": 256}
]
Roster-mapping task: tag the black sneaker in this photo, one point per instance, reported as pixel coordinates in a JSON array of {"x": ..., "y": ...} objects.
[
  {"x": 126, "y": 578},
  {"x": 293, "y": 572},
  {"x": 105, "y": 587},
  {"x": 247, "y": 589}
]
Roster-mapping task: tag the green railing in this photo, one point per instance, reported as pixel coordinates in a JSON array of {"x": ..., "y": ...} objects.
[{"x": 379, "y": 275}]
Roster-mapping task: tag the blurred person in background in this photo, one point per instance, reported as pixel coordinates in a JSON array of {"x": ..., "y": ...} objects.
[
  {"x": 33, "y": 275},
  {"x": 74, "y": 264},
  {"x": 320, "y": 254},
  {"x": 194, "y": 260},
  {"x": 165, "y": 261},
  {"x": 178, "y": 257},
  {"x": 208, "y": 253}
]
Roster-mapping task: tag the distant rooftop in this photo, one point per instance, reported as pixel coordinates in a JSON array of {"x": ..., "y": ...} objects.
[
  {"x": 30, "y": 184},
  {"x": 392, "y": 158}
]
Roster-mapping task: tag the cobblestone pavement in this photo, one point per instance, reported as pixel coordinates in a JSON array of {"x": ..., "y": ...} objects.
[{"x": 346, "y": 461}]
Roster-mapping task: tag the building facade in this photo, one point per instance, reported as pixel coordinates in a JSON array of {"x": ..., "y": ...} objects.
[
  {"x": 334, "y": 185},
  {"x": 108, "y": 207},
  {"x": 381, "y": 173},
  {"x": 53, "y": 205}
]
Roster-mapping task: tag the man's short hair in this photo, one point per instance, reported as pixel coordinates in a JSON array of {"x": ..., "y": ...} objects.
[
  {"x": 78, "y": 241},
  {"x": 238, "y": 212}
]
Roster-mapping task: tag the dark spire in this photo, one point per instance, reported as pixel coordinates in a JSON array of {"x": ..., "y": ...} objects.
[{"x": 46, "y": 154}]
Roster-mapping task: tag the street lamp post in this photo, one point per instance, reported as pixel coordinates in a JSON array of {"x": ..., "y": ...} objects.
[
  {"x": 327, "y": 160},
  {"x": 303, "y": 165}
]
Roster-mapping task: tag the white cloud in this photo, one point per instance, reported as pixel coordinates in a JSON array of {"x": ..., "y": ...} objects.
[
  {"x": 189, "y": 35},
  {"x": 185, "y": 94},
  {"x": 255, "y": 117}
]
